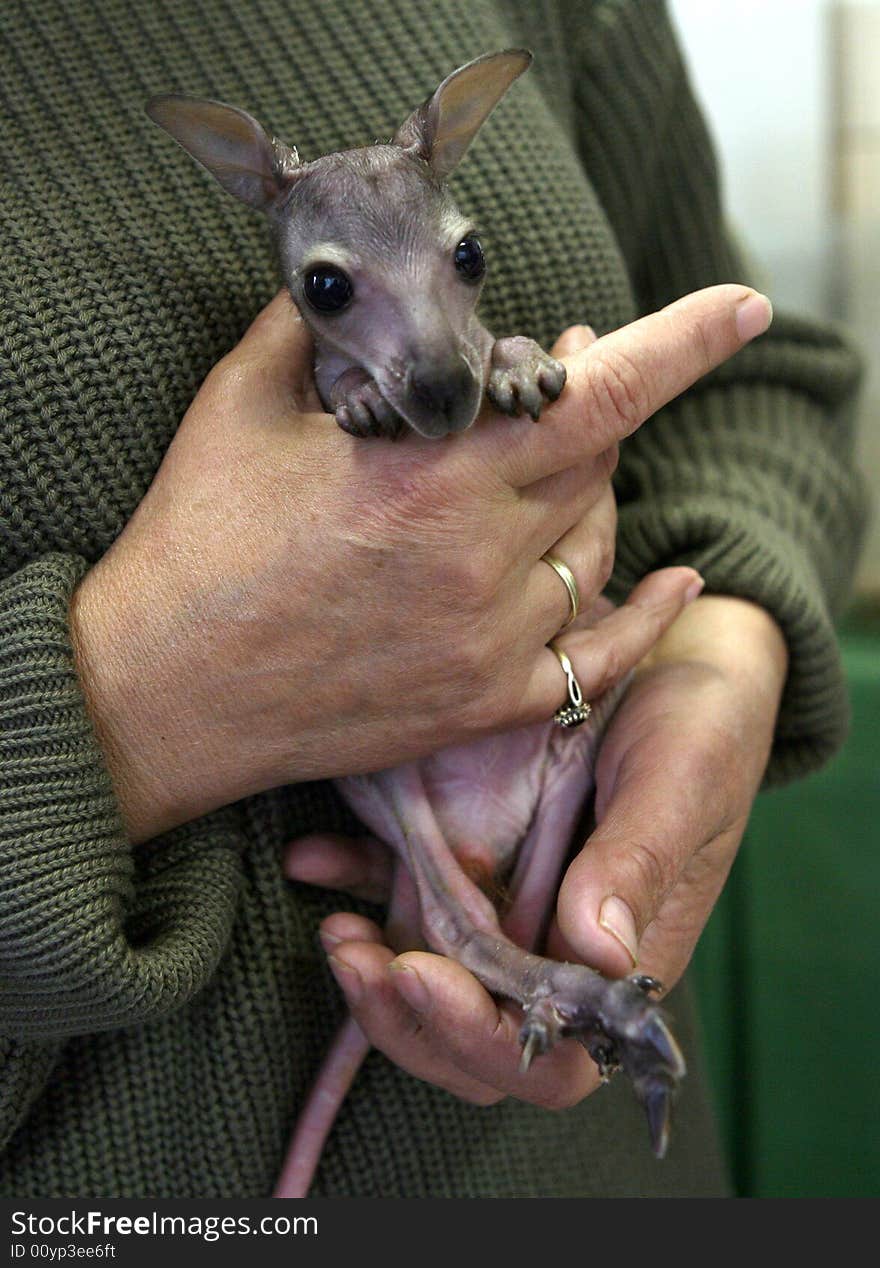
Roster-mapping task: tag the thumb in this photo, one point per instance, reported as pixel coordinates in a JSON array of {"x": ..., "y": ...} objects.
[
  {"x": 617, "y": 885},
  {"x": 278, "y": 343}
]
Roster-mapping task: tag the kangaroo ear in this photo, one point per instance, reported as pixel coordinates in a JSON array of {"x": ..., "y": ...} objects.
[
  {"x": 231, "y": 144},
  {"x": 440, "y": 130}
]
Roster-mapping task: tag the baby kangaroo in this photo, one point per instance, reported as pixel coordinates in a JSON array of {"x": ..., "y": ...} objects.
[
  {"x": 381, "y": 263},
  {"x": 387, "y": 273}
]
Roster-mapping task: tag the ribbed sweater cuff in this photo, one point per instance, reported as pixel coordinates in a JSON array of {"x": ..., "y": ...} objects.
[
  {"x": 748, "y": 557},
  {"x": 90, "y": 936},
  {"x": 772, "y": 540}
]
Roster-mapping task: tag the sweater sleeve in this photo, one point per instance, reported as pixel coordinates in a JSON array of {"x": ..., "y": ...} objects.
[
  {"x": 93, "y": 934},
  {"x": 750, "y": 475}
]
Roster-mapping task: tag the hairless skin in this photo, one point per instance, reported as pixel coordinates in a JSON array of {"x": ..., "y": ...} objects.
[
  {"x": 495, "y": 818},
  {"x": 387, "y": 273},
  {"x": 382, "y": 264}
]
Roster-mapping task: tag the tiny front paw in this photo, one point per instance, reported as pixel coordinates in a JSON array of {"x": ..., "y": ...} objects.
[
  {"x": 523, "y": 376},
  {"x": 361, "y": 409}
]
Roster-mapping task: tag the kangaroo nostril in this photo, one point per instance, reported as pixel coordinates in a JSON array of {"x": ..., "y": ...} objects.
[{"x": 441, "y": 386}]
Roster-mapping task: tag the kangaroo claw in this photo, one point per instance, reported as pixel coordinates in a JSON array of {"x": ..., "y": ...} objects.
[
  {"x": 620, "y": 1027},
  {"x": 540, "y": 1031}
]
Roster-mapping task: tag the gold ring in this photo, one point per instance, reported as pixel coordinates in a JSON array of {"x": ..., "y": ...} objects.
[
  {"x": 577, "y": 710},
  {"x": 567, "y": 577}
]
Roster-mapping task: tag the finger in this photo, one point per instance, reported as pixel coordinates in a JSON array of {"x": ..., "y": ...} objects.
[
  {"x": 604, "y": 653},
  {"x": 480, "y": 1038},
  {"x": 626, "y": 376},
  {"x": 358, "y": 865},
  {"x": 587, "y": 550},
  {"x": 572, "y": 340},
  {"x": 659, "y": 816},
  {"x": 668, "y": 942},
  {"x": 348, "y": 926},
  {"x": 549, "y": 508},
  {"x": 381, "y": 1011},
  {"x": 278, "y": 345}
]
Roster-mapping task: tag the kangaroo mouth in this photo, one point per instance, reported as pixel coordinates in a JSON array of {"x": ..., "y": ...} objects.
[{"x": 438, "y": 399}]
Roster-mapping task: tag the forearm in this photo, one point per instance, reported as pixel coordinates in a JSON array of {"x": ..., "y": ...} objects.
[
  {"x": 89, "y": 942},
  {"x": 729, "y": 633}
]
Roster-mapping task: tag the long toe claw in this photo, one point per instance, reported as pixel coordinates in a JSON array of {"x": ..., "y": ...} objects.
[
  {"x": 539, "y": 1032},
  {"x": 657, "y": 1100},
  {"x": 532, "y": 1046},
  {"x": 655, "y": 1064},
  {"x": 530, "y": 398},
  {"x": 658, "y": 1037},
  {"x": 620, "y": 1027}
]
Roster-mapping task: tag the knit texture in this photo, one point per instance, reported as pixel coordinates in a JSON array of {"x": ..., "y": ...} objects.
[{"x": 165, "y": 1008}]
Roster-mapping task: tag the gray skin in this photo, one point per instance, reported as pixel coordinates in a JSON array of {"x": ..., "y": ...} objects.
[{"x": 408, "y": 350}]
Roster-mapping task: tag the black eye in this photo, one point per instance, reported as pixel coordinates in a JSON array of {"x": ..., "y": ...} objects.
[
  {"x": 469, "y": 259},
  {"x": 327, "y": 288}
]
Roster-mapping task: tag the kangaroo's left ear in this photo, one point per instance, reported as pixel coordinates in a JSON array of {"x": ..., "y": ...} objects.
[{"x": 440, "y": 130}]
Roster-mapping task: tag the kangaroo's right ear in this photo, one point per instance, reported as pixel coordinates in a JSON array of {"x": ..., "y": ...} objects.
[{"x": 232, "y": 145}]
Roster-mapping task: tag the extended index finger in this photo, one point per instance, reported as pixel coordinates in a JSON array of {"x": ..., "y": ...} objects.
[{"x": 619, "y": 381}]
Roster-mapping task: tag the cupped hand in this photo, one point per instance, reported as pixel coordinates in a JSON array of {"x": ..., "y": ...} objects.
[
  {"x": 676, "y": 777},
  {"x": 289, "y": 603}
]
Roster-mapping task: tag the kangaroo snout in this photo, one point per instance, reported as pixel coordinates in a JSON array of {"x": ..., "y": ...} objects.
[{"x": 441, "y": 395}]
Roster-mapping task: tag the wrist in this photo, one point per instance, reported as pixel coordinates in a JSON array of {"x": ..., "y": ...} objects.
[
  {"x": 731, "y": 634},
  {"x": 140, "y": 697}
]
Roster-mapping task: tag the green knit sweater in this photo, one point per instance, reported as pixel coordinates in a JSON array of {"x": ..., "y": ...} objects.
[{"x": 164, "y": 1008}]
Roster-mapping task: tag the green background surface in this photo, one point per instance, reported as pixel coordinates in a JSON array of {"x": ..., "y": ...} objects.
[{"x": 788, "y": 967}]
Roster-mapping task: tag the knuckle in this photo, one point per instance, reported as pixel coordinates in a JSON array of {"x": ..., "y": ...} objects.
[
  {"x": 230, "y": 378},
  {"x": 652, "y": 870},
  {"x": 607, "y": 461},
  {"x": 473, "y": 576},
  {"x": 617, "y": 392},
  {"x": 703, "y": 344},
  {"x": 608, "y": 669},
  {"x": 603, "y": 565}
]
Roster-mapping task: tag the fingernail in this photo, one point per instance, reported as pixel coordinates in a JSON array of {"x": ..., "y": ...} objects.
[
  {"x": 586, "y": 333},
  {"x": 410, "y": 985},
  {"x": 328, "y": 940},
  {"x": 696, "y": 587},
  {"x": 348, "y": 978},
  {"x": 753, "y": 316},
  {"x": 617, "y": 919}
]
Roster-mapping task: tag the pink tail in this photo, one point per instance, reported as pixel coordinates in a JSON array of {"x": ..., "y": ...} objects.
[{"x": 336, "y": 1076}]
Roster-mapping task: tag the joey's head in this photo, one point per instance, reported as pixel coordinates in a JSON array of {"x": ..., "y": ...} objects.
[
  {"x": 388, "y": 272},
  {"x": 381, "y": 263}
]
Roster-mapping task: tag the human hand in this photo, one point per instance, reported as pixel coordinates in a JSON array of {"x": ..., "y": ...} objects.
[
  {"x": 288, "y": 603},
  {"x": 676, "y": 777}
]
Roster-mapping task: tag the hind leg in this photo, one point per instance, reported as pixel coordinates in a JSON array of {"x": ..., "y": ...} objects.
[{"x": 615, "y": 1020}]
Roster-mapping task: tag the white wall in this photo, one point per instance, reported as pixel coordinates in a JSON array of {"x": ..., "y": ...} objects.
[
  {"x": 791, "y": 89},
  {"x": 759, "y": 67}
]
